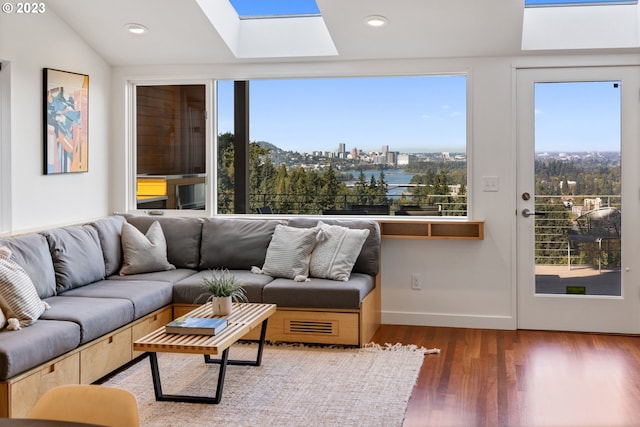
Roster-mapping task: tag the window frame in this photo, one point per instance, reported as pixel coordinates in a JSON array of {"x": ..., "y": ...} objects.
[
  {"x": 211, "y": 145},
  {"x": 211, "y": 138},
  {"x": 468, "y": 139}
]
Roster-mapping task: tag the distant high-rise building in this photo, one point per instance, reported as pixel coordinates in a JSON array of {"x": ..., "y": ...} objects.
[
  {"x": 354, "y": 153},
  {"x": 405, "y": 159},
  {"x": 392, "y": 158},
  {"x": 385, "y": 150}
]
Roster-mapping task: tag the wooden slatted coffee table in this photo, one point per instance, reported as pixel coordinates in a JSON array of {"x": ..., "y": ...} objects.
[{"x": 243, "y": 318}]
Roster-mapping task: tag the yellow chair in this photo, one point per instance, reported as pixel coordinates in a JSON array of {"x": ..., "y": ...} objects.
[{"x": 92, "y": 404}]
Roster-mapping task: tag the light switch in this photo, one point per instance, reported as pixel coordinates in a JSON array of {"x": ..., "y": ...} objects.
[{"x": 489, "y": 183}]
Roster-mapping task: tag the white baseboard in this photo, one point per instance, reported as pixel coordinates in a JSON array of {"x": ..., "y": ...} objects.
[{"x": 448, "y": 320}]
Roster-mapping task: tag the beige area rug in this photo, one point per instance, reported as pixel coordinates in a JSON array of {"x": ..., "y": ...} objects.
[{"x": 294, "y": 386}]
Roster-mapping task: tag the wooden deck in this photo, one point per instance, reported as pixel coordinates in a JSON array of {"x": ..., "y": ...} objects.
[{"x": 554, "y": 279}]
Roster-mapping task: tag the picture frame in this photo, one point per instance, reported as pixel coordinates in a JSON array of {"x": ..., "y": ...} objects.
[{"x": 66, "y": 122}]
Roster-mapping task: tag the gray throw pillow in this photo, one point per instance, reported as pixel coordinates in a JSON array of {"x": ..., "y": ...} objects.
[
  {"x": 336, "y": 251},
  {"x": 289, "y": 251},
  {"x": 144, "y": 253}
]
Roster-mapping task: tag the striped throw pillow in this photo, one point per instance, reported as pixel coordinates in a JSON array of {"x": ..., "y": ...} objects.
[
  {"x": 289, "y": 252},
  {"x": 18, "y": 296},
  {"x": 336, "y": 252}
]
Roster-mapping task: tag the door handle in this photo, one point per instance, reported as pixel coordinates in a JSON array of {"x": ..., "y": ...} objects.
[{"x": 527, "y": 213}]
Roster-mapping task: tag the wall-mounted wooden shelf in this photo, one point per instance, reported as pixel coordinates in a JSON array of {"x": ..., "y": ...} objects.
[{"x": 453, "y": 230}]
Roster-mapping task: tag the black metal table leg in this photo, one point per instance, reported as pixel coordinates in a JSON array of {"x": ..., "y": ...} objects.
[
  {"x": 157, "y": 386},
  {"x": 223, "y": 362},
  {"x": 257, "y": 362}
]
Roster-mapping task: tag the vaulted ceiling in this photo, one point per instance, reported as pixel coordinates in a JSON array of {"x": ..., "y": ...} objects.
[
  {"x": 199, "y": 32},
  {"x": 181, "y": 33}
]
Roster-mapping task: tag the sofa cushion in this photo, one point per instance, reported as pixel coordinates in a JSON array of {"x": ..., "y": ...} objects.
[
  {"x": 188, "y": 290},
  {"x": 29, "y": 347},
  {"x": 31, "y": 251},
  {"x": 96, "y": 316},
  {"x": 289, "y": 252},
  {"x": 18, "y": 296},
  {"x": 77, "y": 256},
  {"x": 336, "y": 251},
  {"x": 319, "y": 293},
  {"x": 182, "y": 236},
  {"x": 144, "y": 253},
  {"x": 171, "y": 276},
  {"x": 145, "y": 296},
  {"x": 109, "y": 230},
  {"x": 369, "y": 258},
  {"x": 235, "y": 244}
]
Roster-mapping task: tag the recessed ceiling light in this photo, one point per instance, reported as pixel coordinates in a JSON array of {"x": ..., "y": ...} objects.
[
  {"x": 376, "y": 21},
  {"x": 136, "y": 28}
]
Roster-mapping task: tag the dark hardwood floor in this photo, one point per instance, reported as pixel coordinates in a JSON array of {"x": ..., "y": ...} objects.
[{"x": 522, "y": 378}]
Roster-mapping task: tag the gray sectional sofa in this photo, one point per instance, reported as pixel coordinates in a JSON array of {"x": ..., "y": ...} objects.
[{"x": 96, "y": 313}]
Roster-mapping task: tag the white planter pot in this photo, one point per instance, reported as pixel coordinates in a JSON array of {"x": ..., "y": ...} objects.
[{"x": 221, "y": 306}]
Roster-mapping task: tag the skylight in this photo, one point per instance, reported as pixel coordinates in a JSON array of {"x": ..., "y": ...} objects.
[
  {"x": 544, "y": 3},
  {"x": 250, "y": 9}
]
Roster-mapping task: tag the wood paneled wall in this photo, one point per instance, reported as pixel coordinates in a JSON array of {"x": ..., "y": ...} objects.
[{"x": 170, "y": 129}]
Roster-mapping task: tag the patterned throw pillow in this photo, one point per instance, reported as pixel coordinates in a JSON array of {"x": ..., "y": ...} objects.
[
  {"x": 336, "y": 251},
  {"x": 144, "y": 253},
  {"x": 288, "y": 252},
  {"x": 18, "y": 296}
]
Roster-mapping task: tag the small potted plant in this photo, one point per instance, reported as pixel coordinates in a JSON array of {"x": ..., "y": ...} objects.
[{"x": 222, "y": 288}]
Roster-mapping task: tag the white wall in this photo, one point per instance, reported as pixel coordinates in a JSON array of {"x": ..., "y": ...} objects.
[{"x": 30, "y": 43}]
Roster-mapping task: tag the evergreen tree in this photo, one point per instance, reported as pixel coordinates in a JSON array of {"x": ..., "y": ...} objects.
[{"x": 380, "y": 195}]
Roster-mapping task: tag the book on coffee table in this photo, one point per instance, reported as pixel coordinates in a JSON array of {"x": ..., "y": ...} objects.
[{"x": 196, "y": 326}]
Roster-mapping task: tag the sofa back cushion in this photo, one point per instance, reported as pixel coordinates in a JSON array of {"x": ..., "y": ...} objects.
[
  {"x": 109, "y": 231},
  {"x": 368, "y": 262},
  {"x": 77, "y": 256},
  {"x": 235, "y": 244},
  {"x": 31, "y": 252},
  {"x": 181, "y": 234}
]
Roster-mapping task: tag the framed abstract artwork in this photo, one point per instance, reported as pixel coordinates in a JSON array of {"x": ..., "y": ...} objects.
[{"x": 66, "y": 122}]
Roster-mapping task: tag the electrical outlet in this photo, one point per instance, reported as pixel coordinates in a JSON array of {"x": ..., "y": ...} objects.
[{"x": 416, "y": 281}]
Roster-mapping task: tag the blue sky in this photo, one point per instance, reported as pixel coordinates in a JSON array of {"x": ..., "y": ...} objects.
[
  {"x": 577, "y": 116},
  {"x": 413, "y": 114},
  {"x": 410, "y": 114},
  {"x": 246, "y": 8}
]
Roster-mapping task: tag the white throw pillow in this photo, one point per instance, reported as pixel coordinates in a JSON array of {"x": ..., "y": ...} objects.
[
  {"x": 144, "y": 253},
  {"x": 18, "y": 296},
  {"x": 288, "y": 252},
  {"x": 336, "y": 251}
]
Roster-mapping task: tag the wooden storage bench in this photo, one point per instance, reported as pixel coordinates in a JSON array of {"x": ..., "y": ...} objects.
[{"x": 84, "y": 365}]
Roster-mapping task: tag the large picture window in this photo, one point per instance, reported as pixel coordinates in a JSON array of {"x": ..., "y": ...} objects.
[{"x": 364, "y": 146}]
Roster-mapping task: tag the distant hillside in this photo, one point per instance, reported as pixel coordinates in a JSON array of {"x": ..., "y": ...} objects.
[
  {"x": 277, "y": 155},
  {"x": 270, "y": 146}
]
